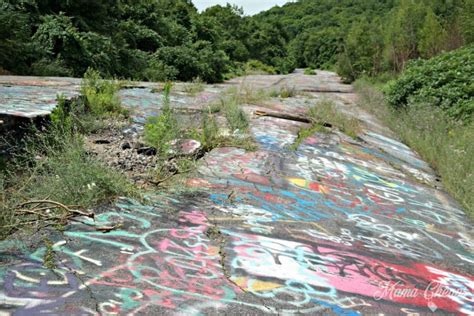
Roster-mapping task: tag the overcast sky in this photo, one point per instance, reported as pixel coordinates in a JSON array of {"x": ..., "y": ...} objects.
[{"x": 250, "y": 6}]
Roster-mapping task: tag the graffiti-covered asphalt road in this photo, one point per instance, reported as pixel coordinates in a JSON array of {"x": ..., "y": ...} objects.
[{"x": 337, "y": 227}]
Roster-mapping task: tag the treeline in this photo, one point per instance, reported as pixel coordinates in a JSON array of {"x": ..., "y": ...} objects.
[
  {"x": 370, "y": 36},
  {"x": 168, "y": 39}
]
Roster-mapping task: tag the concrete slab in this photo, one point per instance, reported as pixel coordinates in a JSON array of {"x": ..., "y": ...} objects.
[{"x": 336, "y": 227}]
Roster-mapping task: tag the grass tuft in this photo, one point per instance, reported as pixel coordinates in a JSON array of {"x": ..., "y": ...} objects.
[
  {"x": 194, "y": 87},
  {"x": 284, "y": 92},
  {"x": 325, "y": 112},
  {"x": 56, "y": 167},
  {"x": 304, "y": 133}
]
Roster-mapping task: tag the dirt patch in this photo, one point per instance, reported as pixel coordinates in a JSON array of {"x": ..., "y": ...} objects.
[{"x": 123, "y": 150}]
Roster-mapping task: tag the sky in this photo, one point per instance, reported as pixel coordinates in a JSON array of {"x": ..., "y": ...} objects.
[{"x": 250, "y": 6}]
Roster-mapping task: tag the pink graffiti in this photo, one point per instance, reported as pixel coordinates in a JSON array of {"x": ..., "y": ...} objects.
[{"x": 329, "y": 268}]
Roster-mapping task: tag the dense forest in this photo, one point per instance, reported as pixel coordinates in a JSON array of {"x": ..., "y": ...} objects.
[{"x": 169, "y": 39}]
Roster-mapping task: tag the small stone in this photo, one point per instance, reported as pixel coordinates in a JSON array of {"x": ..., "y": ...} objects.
[
  {"x": 187, "y": 147},
  {"x": 147, "y": 151}
]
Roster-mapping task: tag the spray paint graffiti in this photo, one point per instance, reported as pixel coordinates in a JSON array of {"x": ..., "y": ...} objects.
[
  {"x": 305, "y": 270},
  {"x": 338, "y": 226}
]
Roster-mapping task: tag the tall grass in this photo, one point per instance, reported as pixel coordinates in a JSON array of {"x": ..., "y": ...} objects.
[
  {"x": 325, "y": 111},
  {"x": 324, "y": 115},
  {"x": 447, "y": 145},
  {"x": 53, "y": 164},
  {"x": 194, "y": 87}
]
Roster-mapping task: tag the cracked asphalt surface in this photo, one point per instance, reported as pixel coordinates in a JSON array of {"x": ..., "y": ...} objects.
[{"x": 340, "y": 226}]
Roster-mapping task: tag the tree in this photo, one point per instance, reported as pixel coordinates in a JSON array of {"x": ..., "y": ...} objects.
[
  {"x": 466, "y": 21},
  {"x": 402, "y": 32},
  {"x": 432, "y": 36},
  {"x": 361, "y": 51},
  {"x": 321, "y": 47},
  {"x": 15, "y": 32}
]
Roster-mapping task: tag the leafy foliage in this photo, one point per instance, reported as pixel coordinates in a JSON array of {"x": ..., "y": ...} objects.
[
  {"x": 444, "y": 81},
  {"x": 169, "y": 40},
  {"x": 101, "y": 96}
]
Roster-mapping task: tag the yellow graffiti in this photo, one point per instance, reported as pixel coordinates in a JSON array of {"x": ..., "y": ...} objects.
[
  {"x": 303, "y": 183},
  {"x": 255, "y": 285}
]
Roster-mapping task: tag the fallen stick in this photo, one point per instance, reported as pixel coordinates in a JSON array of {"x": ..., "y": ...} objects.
[
  {"x": 289, "y": 117},
  {"x": 39, "y": 202}
]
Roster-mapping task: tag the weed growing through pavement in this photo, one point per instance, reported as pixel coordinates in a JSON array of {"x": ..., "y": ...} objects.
[
  {"x": 53, "y": 167},
  {"x": 194, "y": 87},
  {"x": 101, "y": 96},
  {"x": 325, "y": 112},
  {"x": 324, "y": 115}
]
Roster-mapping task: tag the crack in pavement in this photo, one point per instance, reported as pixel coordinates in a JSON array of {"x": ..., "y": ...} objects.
[
  {"x": 317, "y": 230},
  {"x": 220, "y": 238}
]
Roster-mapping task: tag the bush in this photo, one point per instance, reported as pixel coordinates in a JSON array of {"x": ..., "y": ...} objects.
[
  {"x": 257, "y": 67},
  {"x": 444, "y": 81},
  {"x": 309, "y": 71},
  {"x": 187, "y": 62},
  {"x": 161, "y": 130},
  {"x": 101, "y": 96},
  {"x": 45, "y": 67}
]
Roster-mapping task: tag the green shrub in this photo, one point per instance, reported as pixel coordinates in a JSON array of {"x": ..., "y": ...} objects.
[
  {"x": 161, "y": 130},
  {"x": 310, "y": 71},
  {"x": 445, "y": 81},
  {"x": 257, "y": 67},
  {"x": 101, "y": 96},
  {"x": 45, "y": 67}
]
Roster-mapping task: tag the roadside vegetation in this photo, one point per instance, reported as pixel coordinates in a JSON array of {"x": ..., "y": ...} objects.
[
  {"x": 445, "y": 82},
  {"x": 430, "y": 107},
  {"x": 51, "y": 177}
]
